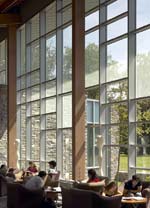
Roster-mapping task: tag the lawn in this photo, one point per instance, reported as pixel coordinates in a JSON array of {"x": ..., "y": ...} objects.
[{"x": 141, "y": 161}]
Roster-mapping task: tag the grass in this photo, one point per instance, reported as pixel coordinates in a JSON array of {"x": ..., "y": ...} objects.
[{"x": 141, "y": 162}]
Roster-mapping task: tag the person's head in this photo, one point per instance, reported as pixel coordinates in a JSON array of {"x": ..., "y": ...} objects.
[
  {"x": 135, "y": 180},
  {"x": 3, "y": 166},
  {"x": 31, "y": 164},
  {"x": 52, "y": 164},
  {"x": 112, "y": 186},
  {"x": 91, "y": 173},
  {"x": 42, "y": 174},
  {"x": 11, "y": 170}
]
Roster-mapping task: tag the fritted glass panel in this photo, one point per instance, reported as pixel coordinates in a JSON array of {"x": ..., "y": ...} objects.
[
  {"x": 142, "y": 158},
  {"x": 35, "y": 138},
  {"x": 51, "y": 57},
  {"x": 142, "y": 12},
  {"x": 35, "y": 27},
  {"x": 35, "y": 93},
  {"x": 117, "y": 28},
  {"x": 23, "y": 132},
  {"x": 23, "y": 57},
  {"x": 67, "y": 111},
  {"x": 23, "y": 96},
  {"x": 67, "y": 153},
  {"x": 143, "y": 64},
  {"x": 51, "y": 17},
  {"x": 116, "y": 8},
  {"x": 117, "y": 91},
  {"x": 117, "y": 60},
  {"x": 118, "y": 134},
  {"x": 92, "y": 59},
  {"x": 67, "y": 15},
  {"x": 91, "y": 20},
  {"x": 51, "y": 88},
  {"x": 50, "y": 145},
  {"x": 35, "y": 77},
  {"x": 51, "y": 105},
  {"x": 51, "y": 121},
  {"x": 35, "y": 108},
  {"x": 143, "y": 110},
  {"x": 90, "y": 4},
  {"x": 35, "y": 55},
  {"x": 118, "y": 112},
  {"x": 67, "y": 59}
]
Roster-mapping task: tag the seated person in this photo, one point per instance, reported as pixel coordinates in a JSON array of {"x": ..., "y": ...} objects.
[
  {"x": 52, "y": 167},
  {"x": 92, "y": 176},
  {"x": 3, "y": 170},
  {"x": 10, "y": 176},
  {"x": 111, "y": 189},
  {"x": 132, "y": 186},
  {"x": 32, "y": 168},
  {"x": 36, "y": 182}
]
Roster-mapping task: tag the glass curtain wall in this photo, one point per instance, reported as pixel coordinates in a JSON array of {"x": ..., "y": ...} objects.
[
  {"x": 44, "y": 88},
  {"x": 3, "y": 102},
  {"x": 117, "y": 51}
]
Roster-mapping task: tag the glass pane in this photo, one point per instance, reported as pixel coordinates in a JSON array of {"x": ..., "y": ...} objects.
[
  {"x": 23, "y": 132},
  {"x": 123, "y": 162},
  {"x": 35, "y": 108},
  {"x": 96, "y": 117},
  {"x": 35, "y": 27},
  {"x": 67, "y": 15},
  {"x": 143, "y": 110},
  {"x": 92, "y": 20},
  {"x": 118, "y": 134},
  {"x": 3, "y": 55},
  {"x": 51, "y": 88},
  {"x": 117, "y": 60},
  {"x": 143, "y": 136},
  {"x": 67, "y": 153},
  {"x": 118, "y": 112},
  {"x": 67, "y": 111},
  {"x": 92, "y": 59},
  {"x": 117, "y": 28},
  {"x": 66, "y": 2},
  {"x": 51, "y": 58},
  {"x": 67, "y": 59},
  {"x": 51, "y": 121},
  {"x": 35, "y": 77},
  {"x": 142, "y": 158},
  {"x": 116, "y": 8},
  {"x": 117, "y": 91},
  {"x": 115, "y": 158},
  {"x": 3, "y": 77},
  {"x": 143, "y": 64},
  {"x": 89, "y": 111},
  {"x": 35, "y": 55},
  {"x": 50, "y": 145},
  {"x": 35, "y": 93},
  {"x": 51, "y": 105},
  {"x": 35, "y": 138},
  {"x": 90, "y": 4},
  {"x": 23, "y": 82},
  {"x": 143, "y": 14},
  {"x": 51, "y": 17}
]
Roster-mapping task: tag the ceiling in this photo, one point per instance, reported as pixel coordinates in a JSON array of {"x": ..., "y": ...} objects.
[{"x": 6, "y": 5}]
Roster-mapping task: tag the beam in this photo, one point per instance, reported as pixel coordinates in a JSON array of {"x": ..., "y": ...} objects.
[
  {"x": 9, "y": 19},
  {"x": 78, "y": 91},
  {"x": 11, "y": 48},
  {"x": 8, "y": 4}
]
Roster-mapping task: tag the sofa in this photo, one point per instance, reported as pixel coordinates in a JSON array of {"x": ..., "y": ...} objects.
[{"x": 77, "y": 198}]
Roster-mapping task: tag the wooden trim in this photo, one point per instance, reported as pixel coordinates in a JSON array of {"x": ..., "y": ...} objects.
[
  {"x": 11, "y": 148},
  {"x": 9, "y": 19},
  {"x": 78, "y": 91}
]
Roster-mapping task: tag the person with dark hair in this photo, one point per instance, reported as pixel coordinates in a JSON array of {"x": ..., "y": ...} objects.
[
  {"x": 92, "y": 176},
  {"x": 132, "y": 186},
  {"x": 32, "y": 167},
  {"x": 10, "y": 174},
  {"x": 112, "y": 189},
  {"x": 3, "y": 170},
  {"x": 36, "y": 182},
  {"x": 52, "y": 166}
]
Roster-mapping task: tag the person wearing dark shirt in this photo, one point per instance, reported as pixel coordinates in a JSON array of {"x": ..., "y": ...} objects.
[
  {"x": 132, "y": 186},
  {"x": 92, "y": 176}
]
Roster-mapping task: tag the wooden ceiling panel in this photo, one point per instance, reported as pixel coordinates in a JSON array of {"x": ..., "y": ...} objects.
[{"x": 5, "y": 5}]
